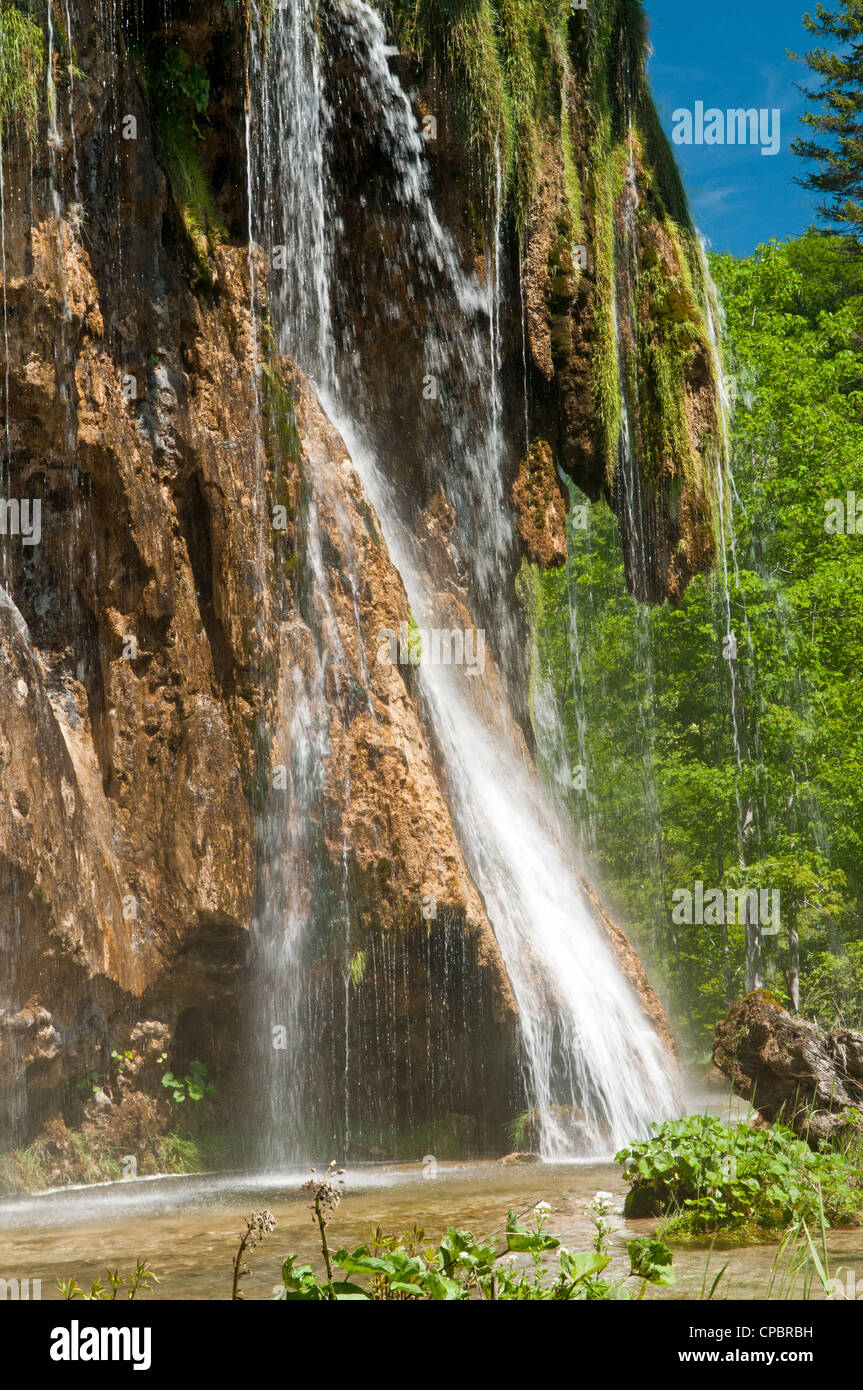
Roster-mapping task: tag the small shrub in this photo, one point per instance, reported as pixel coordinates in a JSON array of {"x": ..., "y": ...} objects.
[
  {"x": 709, "y": 1177},
  {"x": 194, "y": 1086},
  {"x": 140, "y": 1281}
]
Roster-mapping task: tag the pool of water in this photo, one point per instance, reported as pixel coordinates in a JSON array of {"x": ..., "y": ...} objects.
[{"x": 187, "y": 1228}]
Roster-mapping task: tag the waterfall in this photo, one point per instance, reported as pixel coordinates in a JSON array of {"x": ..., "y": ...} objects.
[
  {"x": 638, "y": 509},
  {"x": 596, "y": 1072},
  {"x": 595, "y": 1069}
]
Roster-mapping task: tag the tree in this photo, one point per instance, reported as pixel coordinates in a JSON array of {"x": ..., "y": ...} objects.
[
  {"x": 763, "y": 792},
  {"x": 837, "y": 123}
]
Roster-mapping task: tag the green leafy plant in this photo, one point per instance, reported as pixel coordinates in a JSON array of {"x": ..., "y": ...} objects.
[
  {"x": 89, "y": 1083},
  {"x": 462, "y": 1267},
  {"x": 139, "y": 1282},
  {"x": 194, "y": 1086},
  {"x": 180, "y": 75},
  {"x": 707, "y": 1177}
]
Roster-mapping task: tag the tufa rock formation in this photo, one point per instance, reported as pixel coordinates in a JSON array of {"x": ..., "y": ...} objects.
[
  {"x": 791, "y": 1071},
  {"x": 158, "y": 645}
]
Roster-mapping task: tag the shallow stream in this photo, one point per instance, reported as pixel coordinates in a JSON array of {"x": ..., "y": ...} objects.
[{"x": 187, "y": 1228}]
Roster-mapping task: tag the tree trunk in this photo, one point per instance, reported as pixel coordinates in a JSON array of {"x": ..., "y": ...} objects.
[
  {"x": 753, "y": 950},
  {"x": 794, "y": 969}
]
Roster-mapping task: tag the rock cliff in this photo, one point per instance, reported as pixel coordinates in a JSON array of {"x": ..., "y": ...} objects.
[{"x": 157, "y": 643}]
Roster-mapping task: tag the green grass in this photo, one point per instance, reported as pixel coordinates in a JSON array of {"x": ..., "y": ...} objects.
[
  {"x": 43, "y": 1163},
  {"x": 22, "y": 70},
  {"x": 508, "y": 60},
  {"x": 70, "y": 1155}
]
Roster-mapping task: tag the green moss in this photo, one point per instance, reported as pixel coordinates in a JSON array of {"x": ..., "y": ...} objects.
[
  {"x": 178, "y": 94},
  {"x": 521, "y": 70},
  {"x": 461, "y": 32},
  {"x": 571, "y": 176},
  {"x": 179, "y": 156},
  {"x": 607, "y": 183},
  {"x": 22, "y": 70},
  {"x": 508, "y": 60}
]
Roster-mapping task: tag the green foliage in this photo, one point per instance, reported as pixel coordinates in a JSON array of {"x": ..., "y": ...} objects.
[
  {"x": 189, "y": 81},
  {"x": 190, "y": 189},
  {"x": 513, "y": 72},
  {"x": 606, "y": 182},
  {"x": 645, "y": 695},
  {"x": 832, "y": 985},
  {"x": 711, "y": 1177},
  {"x": 194, "y": 1086},
  {"x": 177, "y": 1153},
  {"x": 542, "y": 87},
  {"x": 89, "y": 1084},
  {"x": 408, "y": 1269},
  {"x": 139, "y": 1282},
  {"x": 179, "y": 95},
  {"x": 415, "y": 641},
  {"x": 666, "y": 307},
  {"x": 835, "y": 122},
  {"x": 26, "y": 1169},
  {"x": 491, "y": 52},
  {"x": 90, "y": 1157},
  {"x": 22, "y": 70}
]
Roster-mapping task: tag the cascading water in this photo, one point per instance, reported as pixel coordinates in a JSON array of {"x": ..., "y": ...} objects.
[
  {"x": 637, "y": 505},
  {"x": 595, "y": 1070}
]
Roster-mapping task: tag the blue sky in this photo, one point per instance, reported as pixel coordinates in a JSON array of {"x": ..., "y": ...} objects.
[{"x": 733, "y": 54}]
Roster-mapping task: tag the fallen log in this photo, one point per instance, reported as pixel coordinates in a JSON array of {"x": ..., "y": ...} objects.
[{"x": 793, "y": 1072}]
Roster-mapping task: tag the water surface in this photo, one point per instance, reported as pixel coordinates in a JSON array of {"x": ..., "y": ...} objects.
[{"x": 187, "y": 1228}]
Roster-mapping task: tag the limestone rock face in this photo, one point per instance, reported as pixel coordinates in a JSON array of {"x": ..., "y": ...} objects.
[
  {"x": 128, "y": 836},
  {"x": 540, "y": 508},
  {"x": 161, "y": 646}
]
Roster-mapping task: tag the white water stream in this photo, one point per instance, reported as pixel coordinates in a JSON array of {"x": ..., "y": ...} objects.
[{"x": 595, "y": 1070}]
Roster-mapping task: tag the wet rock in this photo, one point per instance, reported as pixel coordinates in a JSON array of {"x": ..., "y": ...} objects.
[
  {"x": 152, "y": 644},
  {"x": 793, "y": 1072},
  {"x": 540, "y": 508}
]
